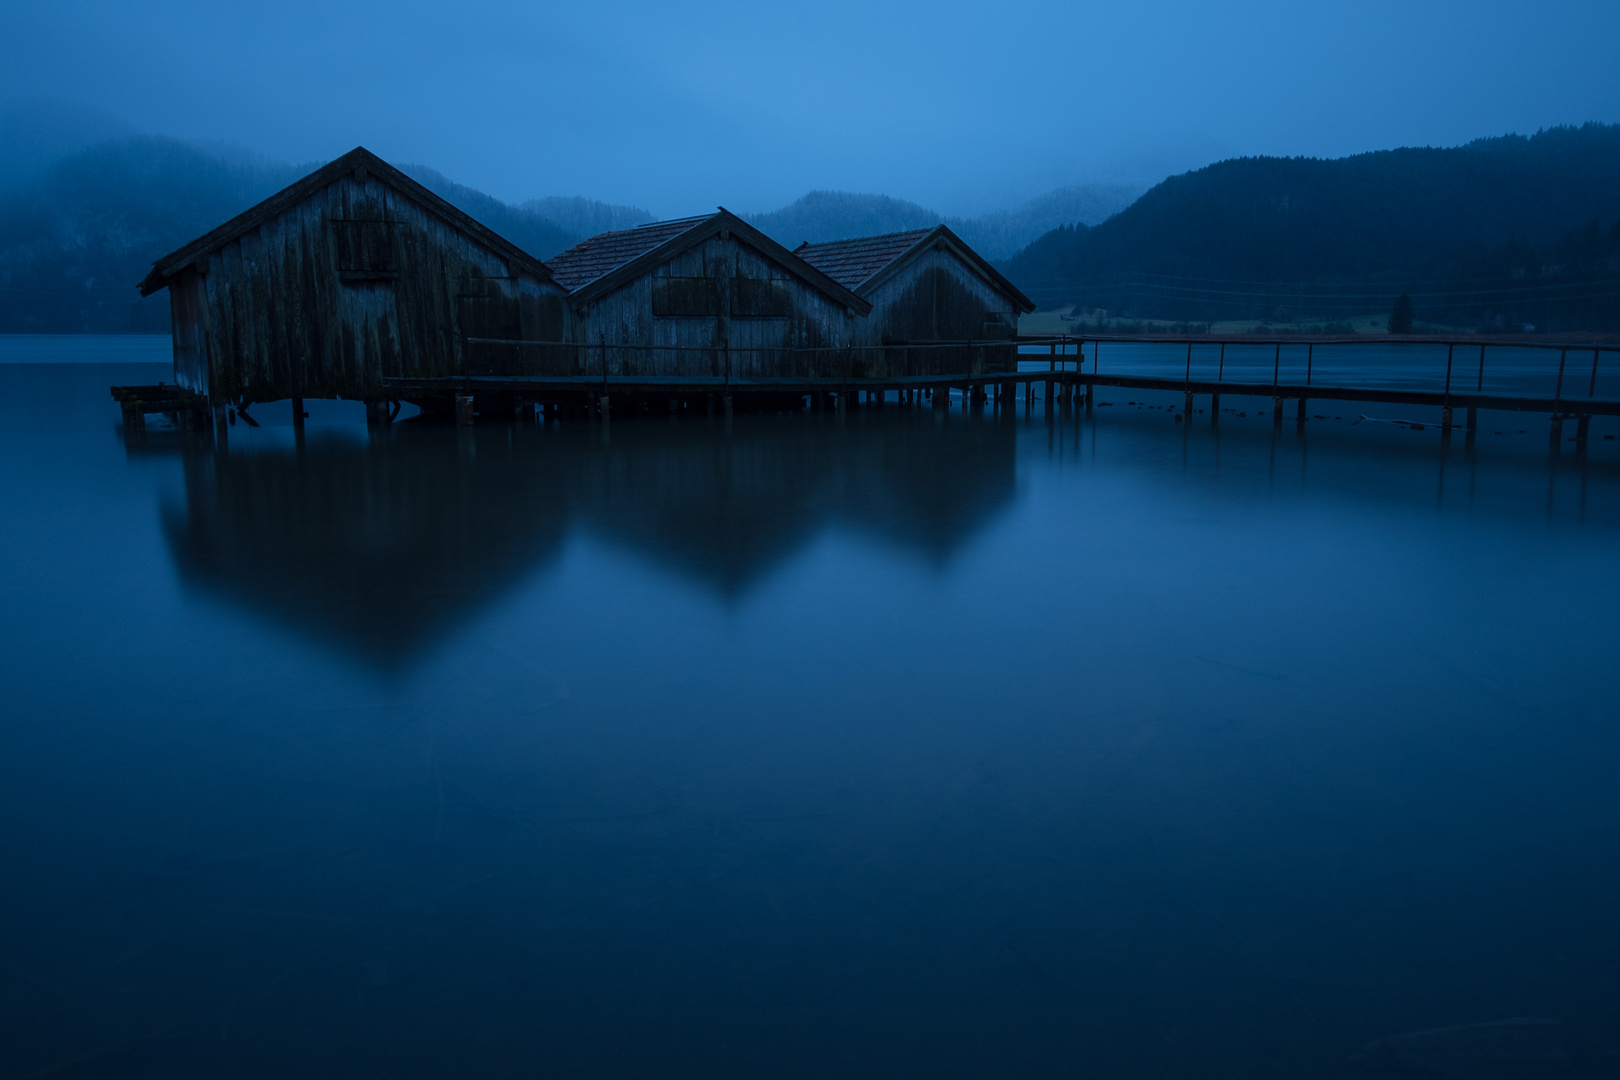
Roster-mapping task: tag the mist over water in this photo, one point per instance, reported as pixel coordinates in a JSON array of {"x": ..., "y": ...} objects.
[{"x": 971, "y": 746}]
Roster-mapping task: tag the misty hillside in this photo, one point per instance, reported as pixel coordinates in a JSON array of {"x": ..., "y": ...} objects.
[
  {"x": 1499, "y": 231},
  {"x": 34, "y": 135},
  {"x": 74, "y": 242},
  {"x": 84, "y": 215},
  {"x": 538, "y": 235},
  {"x": 586, "y": 217},
  {"x": 837, "y": 215}
]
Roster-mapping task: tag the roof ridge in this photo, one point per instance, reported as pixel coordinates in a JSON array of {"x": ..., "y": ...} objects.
[
  {"x": 318, "y": 180},
  {"x": 874, "y": 236},
  {"x": 666, "y": 221}
]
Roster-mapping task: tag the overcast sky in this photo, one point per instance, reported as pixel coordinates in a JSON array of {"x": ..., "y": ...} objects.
[{"x": 678, "y": 107}]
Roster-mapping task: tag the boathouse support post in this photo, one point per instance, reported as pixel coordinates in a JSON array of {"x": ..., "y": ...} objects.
[
  {"x": 1472, "y": 422},
  {"x": 1276, "y": 412},
  {"x": 1187, "y": 405},
  {"x": 222, "y": 422},
  {"x": 134, "y": 418},
  {"x": 298, "y": 414},
  {"x": 464, "y": 410},
  {"x": 1445, "y": 425},
  {"x": 1215, "y": 410},
  {"x": 1583, "y": 429},
  {"x": 1301, "y": 413}
]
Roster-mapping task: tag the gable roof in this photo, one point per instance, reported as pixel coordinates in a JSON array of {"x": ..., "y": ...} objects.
[
  {"x": 865, "y": 262},
  {"x": 607, "y": 261},
  {"x": 590, "y": 259},
  {"x": 357, "y": 159}
]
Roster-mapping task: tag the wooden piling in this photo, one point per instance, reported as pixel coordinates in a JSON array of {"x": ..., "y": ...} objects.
[
  {"x": 298, "y": 414},
  {"x": 1276, "y": 412},
  {"x": 464, "y": 410}
]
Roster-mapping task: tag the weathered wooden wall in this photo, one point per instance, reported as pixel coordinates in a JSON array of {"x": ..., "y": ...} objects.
[
  {"x": 729, "y": 302},
  {"x": 354, "y": 284},
  {"x": 938, "y": 297}
]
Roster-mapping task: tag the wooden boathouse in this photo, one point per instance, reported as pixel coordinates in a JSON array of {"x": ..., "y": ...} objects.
[
  {"x": 707, "y": 296},
  {"x": 353, "y": 276},
  {"x": 926, "y": 287}
]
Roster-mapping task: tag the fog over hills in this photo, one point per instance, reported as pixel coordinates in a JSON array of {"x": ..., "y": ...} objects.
[
  {"x": 838, "y": 215},
  {"x": 1499, "y": 232},
  {"x": 86, "y": 204}
]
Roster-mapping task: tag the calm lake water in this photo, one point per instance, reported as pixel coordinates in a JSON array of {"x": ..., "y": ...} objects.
[{"x": 896, "y": 747}]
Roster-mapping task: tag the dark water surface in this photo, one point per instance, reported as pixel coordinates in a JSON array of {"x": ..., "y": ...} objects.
[{"x": 896, "y": 748}]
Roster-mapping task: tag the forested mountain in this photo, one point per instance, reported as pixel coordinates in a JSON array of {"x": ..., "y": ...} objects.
[
  {"x": 84, "y": 216},
  {"x": 36, "y": 134},
  {"x": 838, "y": 215},
  {"x": 1499, "y": 232},
  {"x": 74, "y": 242},
  {"x": 585, "y": 217},
  {"x": 533, "y": 232}
]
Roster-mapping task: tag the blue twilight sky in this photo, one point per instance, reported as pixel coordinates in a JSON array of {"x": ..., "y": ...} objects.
[{"x": 964, "y": 107}]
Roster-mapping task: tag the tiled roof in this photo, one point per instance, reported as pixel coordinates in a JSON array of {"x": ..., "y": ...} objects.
[
  {"x": 605, "y": 252},
  {"x": 850, "y": 262}
]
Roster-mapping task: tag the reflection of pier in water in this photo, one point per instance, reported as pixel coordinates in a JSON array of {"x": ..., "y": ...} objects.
[{"x": 385, "y": 545}]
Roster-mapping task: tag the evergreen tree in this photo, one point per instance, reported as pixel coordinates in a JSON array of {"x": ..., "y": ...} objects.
[{"x": 1400, "y": 319}]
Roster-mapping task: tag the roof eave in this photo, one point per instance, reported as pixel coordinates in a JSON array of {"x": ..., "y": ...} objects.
[
  {"x": 995, "y": 278},
  {"x": 723, "y": 219},
  {"x": 165, "y": 268}
]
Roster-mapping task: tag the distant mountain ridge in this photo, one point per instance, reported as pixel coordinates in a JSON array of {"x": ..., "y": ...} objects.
[
  {"x": 85, "y": 208},
  {"x": 820, "y": 216},
  {"x": 1498, "y": 232}
]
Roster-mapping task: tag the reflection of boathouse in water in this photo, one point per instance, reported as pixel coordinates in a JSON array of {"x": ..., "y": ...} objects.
[
  {"x": 356, "y": 282},
  {"x": 385, "y": 545}
]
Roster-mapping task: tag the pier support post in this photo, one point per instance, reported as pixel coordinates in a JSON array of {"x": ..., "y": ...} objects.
[
  {"x": 604, "y": 408},
  {"x": 298, "y": 414},
  {"x": 1215, "y": 410},
  {"x": 222, "y": 422},
  {"x": 1187, "y": 406},
  {"x": 464, "y": 410},
  {"x": 1276, "y": 412},
  {"x": 1555, "y": 438},
  {"x": 376, "y": 412},
  {"x": 1445, "y": 425},
  {"x": 1300, "y": 413},
  {"x": 134, "y": 418},
  {"x": 725, "y": 402},
  {"x": 1583, "y": 430}
]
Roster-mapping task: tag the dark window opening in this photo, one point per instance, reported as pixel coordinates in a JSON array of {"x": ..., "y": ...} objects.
[
  {"x": 753, "y": 298},
  {"x": 674, "y": 297},
  {"x": 365, "y": 248}
]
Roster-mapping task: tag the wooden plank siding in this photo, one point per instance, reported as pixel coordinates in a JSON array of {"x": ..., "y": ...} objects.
[
  {"x": 354, "y": 275},
  {"x": 718, "y": 302},
  {"x": 936, "y": 297}
]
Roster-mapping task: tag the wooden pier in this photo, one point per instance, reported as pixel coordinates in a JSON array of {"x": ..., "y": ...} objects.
[{"x": 1067, "y": 374}]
